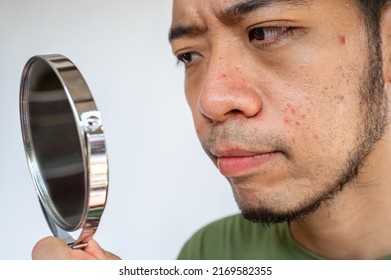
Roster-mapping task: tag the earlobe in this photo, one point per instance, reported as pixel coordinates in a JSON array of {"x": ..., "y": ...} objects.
[{"x": 385, "y": 25}]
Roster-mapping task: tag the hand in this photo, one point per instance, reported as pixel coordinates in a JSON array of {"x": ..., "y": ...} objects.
[{"x": 52, "y": 248}]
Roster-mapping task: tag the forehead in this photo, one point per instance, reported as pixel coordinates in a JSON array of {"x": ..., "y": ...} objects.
[
  {"x": 195, "y": 16},
  {"x": 222, "y": 5},
  {"x": 182, "y": 9}
]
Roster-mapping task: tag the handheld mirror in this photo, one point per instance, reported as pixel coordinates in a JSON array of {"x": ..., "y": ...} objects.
[{"x": 65, "y": 147}]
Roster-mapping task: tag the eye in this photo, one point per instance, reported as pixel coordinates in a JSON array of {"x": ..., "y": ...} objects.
[
  {"x": 267, "y": 34},
  {"x": 185, "y": 58}
]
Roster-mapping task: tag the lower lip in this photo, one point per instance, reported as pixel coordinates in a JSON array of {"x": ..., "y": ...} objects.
[{"x": 241, "y": 166}]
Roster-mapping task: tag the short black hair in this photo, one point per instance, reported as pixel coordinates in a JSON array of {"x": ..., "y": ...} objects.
[{"x": 371, "y": 10}]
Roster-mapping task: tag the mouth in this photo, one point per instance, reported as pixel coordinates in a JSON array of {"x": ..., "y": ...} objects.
[{"x": 238, "y": 163}]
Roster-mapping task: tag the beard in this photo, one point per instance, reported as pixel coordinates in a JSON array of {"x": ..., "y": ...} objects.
[{"x": 374, "y": 121}]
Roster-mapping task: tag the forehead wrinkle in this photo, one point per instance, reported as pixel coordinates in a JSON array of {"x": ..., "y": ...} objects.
[
  {"x": 230, "y": 15},
  {"x": 186, "y": 23},
  {"x": 179, "y": 31},
  {"x": 237, "y": 11}
]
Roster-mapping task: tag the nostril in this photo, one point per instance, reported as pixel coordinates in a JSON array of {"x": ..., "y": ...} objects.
[{"x": 235, "y": 111}]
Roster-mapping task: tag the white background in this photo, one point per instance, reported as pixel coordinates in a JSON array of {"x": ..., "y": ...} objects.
[{"x": 162, "y": 186}]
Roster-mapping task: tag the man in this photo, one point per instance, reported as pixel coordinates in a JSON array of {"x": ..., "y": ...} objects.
[{"x": 290, "y": 101}]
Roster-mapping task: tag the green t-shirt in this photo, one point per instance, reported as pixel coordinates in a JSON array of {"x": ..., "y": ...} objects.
[{"x": 234, "y": 238}]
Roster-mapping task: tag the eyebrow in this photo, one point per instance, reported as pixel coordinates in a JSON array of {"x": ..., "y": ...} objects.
[{"x": 232, "y": 14}]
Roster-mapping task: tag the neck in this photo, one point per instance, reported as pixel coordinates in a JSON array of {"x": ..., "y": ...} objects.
[{"x": 357, "y": 223}]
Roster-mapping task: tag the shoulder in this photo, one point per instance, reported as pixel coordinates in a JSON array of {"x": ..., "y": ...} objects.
[{"x": 232, "y": 237}]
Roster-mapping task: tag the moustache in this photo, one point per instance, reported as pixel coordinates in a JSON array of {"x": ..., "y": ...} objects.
[{"x": 235, "y": 135}]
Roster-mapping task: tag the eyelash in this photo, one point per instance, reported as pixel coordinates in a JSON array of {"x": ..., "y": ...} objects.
[
  {"x": 277, "y": 34},
  {"x": 182, "y": 58}
]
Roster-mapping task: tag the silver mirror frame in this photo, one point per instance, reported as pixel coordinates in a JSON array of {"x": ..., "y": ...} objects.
[{"x": 88, "y": 122}]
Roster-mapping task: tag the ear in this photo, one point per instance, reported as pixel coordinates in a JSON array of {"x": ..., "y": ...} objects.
[{"x": 385, "y": 25}]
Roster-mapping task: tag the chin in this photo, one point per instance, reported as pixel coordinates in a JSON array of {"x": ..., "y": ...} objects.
[
  {"x": 283, "y": 201},
  {"x": 282, "y": 210}
]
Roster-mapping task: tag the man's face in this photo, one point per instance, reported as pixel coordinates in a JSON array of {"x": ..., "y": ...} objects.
[{"x": 275, "y": 89}]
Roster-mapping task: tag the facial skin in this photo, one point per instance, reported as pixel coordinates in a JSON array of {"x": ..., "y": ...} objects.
[{"x": 279, "y": 96}]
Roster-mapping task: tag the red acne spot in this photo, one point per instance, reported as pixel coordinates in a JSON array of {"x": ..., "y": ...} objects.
[
  {"x": 342, "y": 40},
  {"x": 290, "y": 108},
  {"x": 340, "y": 98},
  {"x": 316, "y": 136},
  {"x": 222, "y": 77},
  {"x": 293, "y": 114}
]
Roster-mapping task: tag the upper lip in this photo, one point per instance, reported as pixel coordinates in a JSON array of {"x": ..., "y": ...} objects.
[{"x": 237, "y": 152}]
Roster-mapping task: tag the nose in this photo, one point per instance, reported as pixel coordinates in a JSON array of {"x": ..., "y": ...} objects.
[{"x": 228, "y": 89}]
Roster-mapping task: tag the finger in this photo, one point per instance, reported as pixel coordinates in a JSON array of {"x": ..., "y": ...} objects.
[
  {"x": 50, "y": 248},
  {"x": 95, "y": 250}
]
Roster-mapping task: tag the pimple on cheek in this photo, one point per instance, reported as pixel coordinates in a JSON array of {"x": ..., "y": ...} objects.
[
  {"x": 289, "y": 121},
  {"x": 340, "y": 99},
  {"x": 222, "y": 77},
  {"x": 293, "y": 115},
  {"x": 342, "y": 40}
]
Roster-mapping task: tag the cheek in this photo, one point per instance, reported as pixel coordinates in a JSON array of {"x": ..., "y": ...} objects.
[
  {"x": 299, "y": 125},
  {"x": 192, "y": 99},
  {"x": 325, "y": 129},
  {"x": 324, "y": 108},
  {"x": 293, "y": 115},
  {"x": 201, "y": 124}
]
